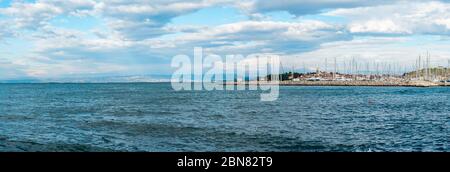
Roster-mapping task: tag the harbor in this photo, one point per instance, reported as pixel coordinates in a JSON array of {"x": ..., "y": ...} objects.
[
  {"x": 423, "y": 73},
  {"x": 399, "y": 83}
]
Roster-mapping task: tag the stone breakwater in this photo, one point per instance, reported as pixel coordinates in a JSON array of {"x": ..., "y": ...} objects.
[{"x": 348, "y": 83}]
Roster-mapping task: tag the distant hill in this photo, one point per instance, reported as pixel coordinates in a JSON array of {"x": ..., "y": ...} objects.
[
  {"x": 20, "y": 81},
  {"x": 438, "y": 71}
]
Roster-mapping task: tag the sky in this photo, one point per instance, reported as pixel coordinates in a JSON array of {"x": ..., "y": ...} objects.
[{"x": 82, "y": 38}]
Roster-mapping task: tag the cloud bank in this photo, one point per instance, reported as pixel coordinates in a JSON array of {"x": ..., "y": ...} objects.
[{"x": 60, "y": 38}]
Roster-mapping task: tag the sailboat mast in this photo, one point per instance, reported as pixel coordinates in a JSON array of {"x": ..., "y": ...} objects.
[{"x": 335, "y": 68}]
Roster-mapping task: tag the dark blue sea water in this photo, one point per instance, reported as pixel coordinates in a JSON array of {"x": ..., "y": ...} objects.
[{"x": 153, "y": 117}]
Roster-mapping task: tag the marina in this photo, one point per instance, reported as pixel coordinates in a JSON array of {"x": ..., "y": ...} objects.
[{"x": 354, "y": 73}]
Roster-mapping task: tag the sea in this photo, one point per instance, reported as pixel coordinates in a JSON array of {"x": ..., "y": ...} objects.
[{"x": 152, "y": 117}]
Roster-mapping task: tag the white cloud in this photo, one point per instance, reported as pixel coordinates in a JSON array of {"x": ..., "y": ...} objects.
[
  {"x": 400, "y": 18},
  {"x": 281, "y": 36},
  {"x": 444, "y": 22},
  {"x": 378, "y": 26},
  {"x": 35, "y": 15},
  {"x": 143, "y": 19}
]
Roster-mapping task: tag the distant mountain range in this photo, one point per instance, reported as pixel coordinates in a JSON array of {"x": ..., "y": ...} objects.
[{"x": 95, "y": 79}]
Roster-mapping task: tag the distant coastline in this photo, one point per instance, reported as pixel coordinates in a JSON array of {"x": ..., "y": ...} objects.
[{"x": 92, "y": 79}]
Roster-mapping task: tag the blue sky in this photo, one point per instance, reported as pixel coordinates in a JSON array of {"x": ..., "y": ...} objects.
[{"x": 78, "y": 38}]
